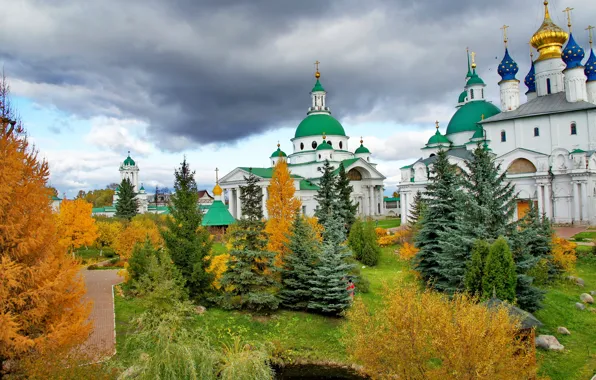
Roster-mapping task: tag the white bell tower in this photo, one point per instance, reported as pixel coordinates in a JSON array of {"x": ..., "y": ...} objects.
[{"x": 130, "y": 170}]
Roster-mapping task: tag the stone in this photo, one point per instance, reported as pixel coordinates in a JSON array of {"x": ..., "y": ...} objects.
[
  {"x": 563, "y": 331},
  {"x": 580, "y": 282},
  {"x": 593, "y": 293},
  {"x": 580, "y": 306},
  {"x": 586, "y": 298},
  {"x": 548, "y": 342},
  {"x": 200, "y": 309}
]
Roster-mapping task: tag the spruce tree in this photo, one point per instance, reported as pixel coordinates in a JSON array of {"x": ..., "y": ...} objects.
[
  {"x": 299, "y": 265},
  {"x": 326, "y": 194},
  {"x": 355, "y": 238},
  {"x": 500, "y": 278},
  {"x": 249, "y": 281},
  {"x": 343, "y": 191},
  {"x": 475, "y": 267},
  {"x": 127, "y": 206},
  {"x": 416, "y": 211},
  {"x": 363, "y": 242},
  {"x": 330, "y": 281},
  {"x": 441, "y": 259},
  {"x": 188, "y": 243}
]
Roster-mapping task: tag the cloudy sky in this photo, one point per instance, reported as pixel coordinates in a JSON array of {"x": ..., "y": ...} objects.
[{"x": 222, "y": 81}]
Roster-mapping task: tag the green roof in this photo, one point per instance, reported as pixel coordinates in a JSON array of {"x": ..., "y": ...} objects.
[
  {"x": 278, "y": 153},
  {"x": 307, "y": 185},
  {"x": 438, "y": 138},
  {"x": 474, "y": 79},
  {"x": 218, "y": 215},
  {"x": 362, "y": 149},
  {"x": 577, "y": 151},
  {"x": 396, "y": 199},
  {"x": 129, "y": 161},
  {"x": 318, "y": 87},
  {"x": 324, "y": 146},
  {"x": 479, "y": 134},
  {"x": 318, "y": 125},
  {"x": 346, "y": 163},
  {"x": 462, "y": 97},
  {"x": 468, "y": 115},
  {"x": 264, "y": 172},
  {"x": 103, "y": 209},
  {"x": 55, "y": 198}
]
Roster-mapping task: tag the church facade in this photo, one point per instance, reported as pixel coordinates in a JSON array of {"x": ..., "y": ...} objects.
[
  {"x": 318, "y": 138},
  {"x": 547, "y": 145}
]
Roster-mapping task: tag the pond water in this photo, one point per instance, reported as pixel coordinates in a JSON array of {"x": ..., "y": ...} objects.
[{"x": 315, "y": 371}]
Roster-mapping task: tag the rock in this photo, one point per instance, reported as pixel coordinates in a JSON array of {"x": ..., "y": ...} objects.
[
  {"x": 563, "y": 331},
  {"x": 593, "y": 293},
  {"x": 200, "y": 309},
  {"x": 548, "y": 342},
  {"x": 586, "y": 298},
  {"x": 580, "y": 282},
  {"x": 130, "y": 373},
  {"x": 580, "y": 306}
]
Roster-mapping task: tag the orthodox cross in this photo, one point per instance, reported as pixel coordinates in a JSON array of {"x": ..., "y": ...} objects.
[
  {"x": 589, "y": 29},
  {"x": 317, "y": 65},
  {"x": 505, "y": 39},
  {"x": 473, "y": 60},
  {"x": 216, "y": 175},
  {"x": 568, "y": 11},
  {"x": 437, "y": 124}
]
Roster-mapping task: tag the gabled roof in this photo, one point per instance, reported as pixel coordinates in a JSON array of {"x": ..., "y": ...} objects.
[
  {"x": 203, "y": 193},
  {"x": 542, "y": 105},
  {"x": 308, "y": 185},
  {"x": 218, "y": 215}
]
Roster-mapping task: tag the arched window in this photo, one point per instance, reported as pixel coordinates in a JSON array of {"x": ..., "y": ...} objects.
[
  {"x": 319, "y": 156},
  {"x": 314, "y": 145},
  {"x": 341, "y": 145},
  {"x": 521, "y": 166},
  {"x": 354, "y": 175},
  {"x": 536, "y": 132},
  {"x": 548, "y": 89},
  {"x": 330, "y": 156},
  {"x": 329, "y": 142},
  {"x": 432, "y": 155},
  {"x": 503, "y": 136},
  {"x": 482, "y": 93},
  {"x": 368, "y": 159},
  {"x": 573, "y": 128},
  {"x": 471, "y": 94},
  {"x": 301, "y": 146}
]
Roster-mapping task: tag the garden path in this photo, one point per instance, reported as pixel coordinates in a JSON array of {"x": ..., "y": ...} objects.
[{"x": 102, "y": 341}]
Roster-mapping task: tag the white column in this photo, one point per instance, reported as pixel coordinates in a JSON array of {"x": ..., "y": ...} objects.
[
  {"x": 382, "y": 200},
  {"x": 576, "y": 215},
  {"x": 364, "y": 202},
  {"x": 238, "y": 204},
  {"x": 231, "y": 204},
  {"x": 264, "y": 202},
  {"x": 547, "y": 201},
  {"x": 539, "y": 193},
  {"x": 371, "y": 201},
  {"x": 584, "y": 198}
]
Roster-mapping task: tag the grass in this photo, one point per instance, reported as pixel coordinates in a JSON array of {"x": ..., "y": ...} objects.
[
  {"x": 219, "y": 248},
  {"x": 584, "y": 236},
  {"x": 389, "y": 223},
  {"x": 578, "y": 361},
  {"x": 92, "y": 255}
]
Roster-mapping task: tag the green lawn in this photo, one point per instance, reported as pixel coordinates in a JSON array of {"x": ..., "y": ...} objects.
[
  {"x": 93, "y": 254},
  {"x": 219, "y": 248},
  {"x": 389, "y": 223},
  {"x": 578, "y": 361},
  {"x": 584, "y": 236}
]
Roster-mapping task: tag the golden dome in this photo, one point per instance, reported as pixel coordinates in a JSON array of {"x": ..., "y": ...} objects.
[
  {"x": 549, "y": 38},
  {"x": 217, "y": 190}
]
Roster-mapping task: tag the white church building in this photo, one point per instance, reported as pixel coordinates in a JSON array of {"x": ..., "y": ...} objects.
[
  {"x": 546, "y": 145},
  {"x": 318, "y": 138}
]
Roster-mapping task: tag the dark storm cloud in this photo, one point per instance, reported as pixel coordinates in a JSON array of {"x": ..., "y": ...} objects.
[{"x": 219, "y": 70}]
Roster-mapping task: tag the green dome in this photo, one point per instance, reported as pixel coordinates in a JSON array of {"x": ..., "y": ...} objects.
[
  {"x": 362, "y": 149},
  {"x": 462, "y": 97},
  {"x": 479, "y": 134},
  {"x": 278, "y": 153},
  {"x": 466, "y": 118},
  {"x": 438, "y": 138},
  {"x": 324, "y": 146},
  {"x": 318, "y": 125},
  {"x": 129, "y": 161},
  {"x": 318, "y": 87},
  {"x": 474, "y": 79}
]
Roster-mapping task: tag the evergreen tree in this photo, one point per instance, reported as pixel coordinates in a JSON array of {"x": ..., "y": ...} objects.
[
  {"x": 500, "y": 278},
  {"x": 490, "y": 198},
  {"x": 328, "y": 286},
  {"x": 343, "y": 191},
  {"x": 415, "y": 218},
  {"x": 364, "y": 243},
  {"x": 299, "y": 265},
  {"x": 441, "y": 259},
  {"x": 139, "y": 260},
  {"x": 188, "y": 243},
  {"x": 326, "y": 194},
  {"x": 127, "y": 206},
  {"x": 475, "y": 267},
  {"x": 355, "y": 238},
  {"x": 249, "y": 281}
]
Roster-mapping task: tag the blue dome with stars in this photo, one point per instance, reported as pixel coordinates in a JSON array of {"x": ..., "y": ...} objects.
[
  {"x": 590, "y": 69},
  {"x": 530, "y": 80},
  {"x": 508, "y": 67},
  {"x": 573, "y": 54}
]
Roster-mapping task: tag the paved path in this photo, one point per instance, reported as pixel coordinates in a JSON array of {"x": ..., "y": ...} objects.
[
  {"x": 568, "y": 232},
  {"x": 99, "y": 290}
]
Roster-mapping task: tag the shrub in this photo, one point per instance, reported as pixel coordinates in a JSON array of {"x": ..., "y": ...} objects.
[
  {"x": 408, "y": 251},
  {"x": 380, "y": 231},
  {"x": 217, "y": 267},
  {"x": 499, "y": 276},
  {"x": 418, "y": 335},
  {"x": 540, "y": 272},
  {"x": 563, "y": 254}
]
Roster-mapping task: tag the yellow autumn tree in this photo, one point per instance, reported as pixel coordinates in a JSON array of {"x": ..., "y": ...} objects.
[
  {"x": 281, "y": 208},
  {"x": 427, "y": 335},
  {"x": 75, "y": 224},
  {"x": 41, "y": 290},
  {"x": 108, "y": 233},
  {"x": 317, "y": 227},
  {"x": 139, "y": 229}
]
